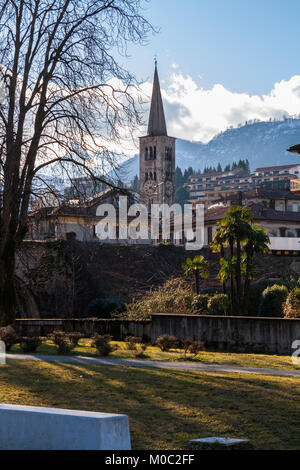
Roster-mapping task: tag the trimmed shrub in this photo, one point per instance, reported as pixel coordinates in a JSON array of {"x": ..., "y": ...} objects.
[
  {"x": 255, "y": 294},
  {"x": 8, "y": 336},
  {"x": 166, "y": 342},
  {"x": 193, "y": 346},
  {"x": 140, "y": 351},
  {"x": 273, "y": 298},
  {"x": 135, "y": 344},
  {"x": 218, "y": 305},
  {"x": 102, "y": 344},
  {"x": 103, "y": 308},
  {"x": 199, "y": 304},
  {"x": 292, "y": 304},
  {"x": 196, "y": 347},
  {"x": 30, "y": 344},
  {"x": 75, "y": 338},
  {"x": 132, "y": 342},
  {"x": 62, "y": 341}
]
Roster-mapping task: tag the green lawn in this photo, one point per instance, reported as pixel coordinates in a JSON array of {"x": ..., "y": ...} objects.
[
  {"x": 166, "y": 408},
  {"x": 153, "y": 353}
]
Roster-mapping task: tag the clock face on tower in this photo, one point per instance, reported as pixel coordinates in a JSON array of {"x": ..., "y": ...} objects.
[{"x": 149, "y": 188}]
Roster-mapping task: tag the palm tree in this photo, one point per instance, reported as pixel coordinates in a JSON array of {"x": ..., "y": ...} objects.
[
  {"x": 198, "y": 267},
  {"x": 237, "y": 232},
  {"x": 237, "y": 223},
  {"x": 232, "y": 231},
  {"x": 258, "y": 242}
]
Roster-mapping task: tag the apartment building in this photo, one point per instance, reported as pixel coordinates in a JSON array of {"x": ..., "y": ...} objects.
[{"x": 211, "y": 188}]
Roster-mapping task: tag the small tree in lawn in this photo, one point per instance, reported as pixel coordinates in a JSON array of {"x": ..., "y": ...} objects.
[{"x": 198, "y": 267}]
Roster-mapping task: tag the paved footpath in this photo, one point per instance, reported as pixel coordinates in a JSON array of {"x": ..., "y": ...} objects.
[{"x": 156, "y": 364}]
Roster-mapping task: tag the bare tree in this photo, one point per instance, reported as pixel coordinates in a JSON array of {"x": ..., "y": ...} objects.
[{"x": 65, "y": 97}]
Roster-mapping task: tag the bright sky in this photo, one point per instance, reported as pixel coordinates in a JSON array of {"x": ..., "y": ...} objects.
[
  {"x": 222, "y": 62},
  {"x": 246, "y": 45}
]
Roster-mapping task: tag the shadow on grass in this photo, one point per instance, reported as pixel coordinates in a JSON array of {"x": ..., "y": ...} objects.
[{"x": 166, "y": 408}]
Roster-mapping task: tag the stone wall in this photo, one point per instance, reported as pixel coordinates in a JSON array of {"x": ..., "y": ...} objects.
[{"x": 240, "y": 334}]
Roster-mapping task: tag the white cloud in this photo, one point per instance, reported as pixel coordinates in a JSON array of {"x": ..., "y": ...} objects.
[{"x": 196, "y": 113}]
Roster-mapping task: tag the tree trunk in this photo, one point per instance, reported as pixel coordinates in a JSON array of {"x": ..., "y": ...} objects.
[
  {"x": 197, "y": 282},
  {"x": 222, "y": 256},
  {"x": 238, "y": 276},
  {"x": 232, "y": 297},
  {"x": 247, "y": 280},
  {"x": 8, "y": 303}
]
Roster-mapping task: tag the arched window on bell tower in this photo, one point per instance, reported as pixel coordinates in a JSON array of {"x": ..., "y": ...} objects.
[
  {"x": 168, "y": 153},
  {"x": 154, "y": 153},
  {"x": 146, "y": 176},
  {"x": 151, "y": 153},
  {"x": 146, "y": 153}
]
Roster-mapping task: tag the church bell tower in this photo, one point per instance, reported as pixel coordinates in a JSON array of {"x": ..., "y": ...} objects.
[{"x": 157, "y": 155}]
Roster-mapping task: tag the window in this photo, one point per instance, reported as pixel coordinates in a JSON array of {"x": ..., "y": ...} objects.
[
  {"x": 298, "y": 232},
  {"x": 154, "y": 153},
  {"x": 168, "y": 153},
  {"x": 281, "y": 207},
  {"x": 151, "y": 153},
  {"x": 146, "y": 176},
  {"x": 295, "y": 207},
  {"x": 282, "y": 231}
]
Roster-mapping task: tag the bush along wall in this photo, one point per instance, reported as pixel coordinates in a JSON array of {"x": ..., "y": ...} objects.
[{"x": 272, "y": 301}]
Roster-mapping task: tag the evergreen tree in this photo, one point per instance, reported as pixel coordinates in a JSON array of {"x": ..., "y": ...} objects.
[
  {"x": 179, "y": 179},
  {"x": 135, "y": 184}
]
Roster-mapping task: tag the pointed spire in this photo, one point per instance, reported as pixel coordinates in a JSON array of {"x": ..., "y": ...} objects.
[{"x": 157, "y": 122}]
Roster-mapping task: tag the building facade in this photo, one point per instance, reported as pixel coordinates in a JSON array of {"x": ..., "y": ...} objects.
[{"x": 211, "y": 188}]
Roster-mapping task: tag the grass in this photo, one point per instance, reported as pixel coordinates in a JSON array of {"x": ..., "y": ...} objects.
[
  {"x": 153, "y": 353},
  {"x": 166, "y": 408}
]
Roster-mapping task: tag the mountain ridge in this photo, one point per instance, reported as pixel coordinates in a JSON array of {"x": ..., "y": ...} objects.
[{"x": 263, "y": 143}]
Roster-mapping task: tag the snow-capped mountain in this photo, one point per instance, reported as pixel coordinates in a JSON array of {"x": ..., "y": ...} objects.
[{"x": 262, "y": 143}]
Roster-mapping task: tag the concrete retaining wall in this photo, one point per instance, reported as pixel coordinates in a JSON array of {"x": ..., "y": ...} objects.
[{"x": 242, "y": 334}]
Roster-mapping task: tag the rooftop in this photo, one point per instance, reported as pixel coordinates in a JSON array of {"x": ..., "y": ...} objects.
[
  {"x": 275, "y": 168},
  {"x": 260, "y": 212}
]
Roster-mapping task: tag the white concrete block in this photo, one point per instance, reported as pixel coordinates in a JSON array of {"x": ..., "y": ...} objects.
[
  {"x": 34, "y": 428},
  {"x": 224, "y": 441}
]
